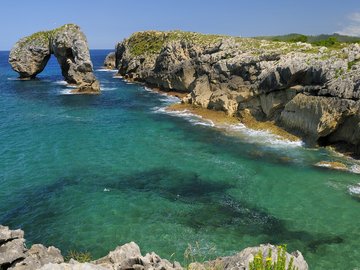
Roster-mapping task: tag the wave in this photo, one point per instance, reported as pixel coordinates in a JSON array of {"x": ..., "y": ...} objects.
[
  {"x": 106, "y": 70},
  {"x": 66, "y": 92},
  {"x": 261, "y": 136},
  {"x": 64, "y": 83},
  {"x": 354, "y": 190},
  {"x": 355, "y": 169},
  {"x": 107, "y": 88}
]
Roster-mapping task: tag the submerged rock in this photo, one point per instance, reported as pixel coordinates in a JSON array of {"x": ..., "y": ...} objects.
[
  {"x": 68, "y": 43},
  {"x": 309, "y": 90},
  {"x": 109, "y": 61}
]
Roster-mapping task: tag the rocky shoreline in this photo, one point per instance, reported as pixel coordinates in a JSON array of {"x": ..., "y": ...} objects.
[
  {"x": 306, "y": 90},
  {"x": 15, "y": 256}
]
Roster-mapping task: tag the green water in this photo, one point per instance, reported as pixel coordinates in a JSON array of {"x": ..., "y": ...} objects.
[{"x": 93, "y": 172}]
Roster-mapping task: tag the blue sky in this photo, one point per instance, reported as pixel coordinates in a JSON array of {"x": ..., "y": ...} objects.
[{"x": 109, "y": 21}]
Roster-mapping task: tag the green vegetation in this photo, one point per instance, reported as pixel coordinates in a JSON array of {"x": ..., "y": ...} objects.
[
  {"x": 78, "y": 256},
  {"x": 352, "y": 63},
  {"x": 261, "y": 263},
  {"x": 151, "y": 42},
  {"x": 334, "y": 41},
  {"x": 196, "y": 253},
  {"x": 42, "y": 38}
]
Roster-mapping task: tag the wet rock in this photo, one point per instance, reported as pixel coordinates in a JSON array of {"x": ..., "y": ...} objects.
[{"x": 68, "y": 43}]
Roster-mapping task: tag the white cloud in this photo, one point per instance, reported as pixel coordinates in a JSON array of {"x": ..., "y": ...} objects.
[{"x": 353, "y": 27}]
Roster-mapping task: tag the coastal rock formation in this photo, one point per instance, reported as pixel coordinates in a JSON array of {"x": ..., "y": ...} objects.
[
  {"x": 109, "y": 61},
  {"x": 15, "y": 256},
  {"x": 68, "y": 43},
  {"x": 308, "y": 90}
]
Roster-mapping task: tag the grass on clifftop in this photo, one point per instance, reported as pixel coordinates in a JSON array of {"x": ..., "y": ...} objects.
[
  {"x": 42, "y": 38},
  {"x": 151, "y": 42}
]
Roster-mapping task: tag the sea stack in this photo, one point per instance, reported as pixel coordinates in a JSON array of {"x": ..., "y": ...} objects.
[
  {"x": 68, "y": 43},
  {"x": 109, "y": 61}
]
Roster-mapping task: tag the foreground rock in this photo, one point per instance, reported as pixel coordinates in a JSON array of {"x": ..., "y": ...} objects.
[
  {"x": 109, "y": 61},
  {"x": 68, "y": 43},
  {"x": 242, "y": 260},
  {"x": 308, "y": 90},
  {"x": 15, "y": 256}
]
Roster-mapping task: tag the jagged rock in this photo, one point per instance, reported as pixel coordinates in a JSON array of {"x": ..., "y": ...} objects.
[
  {"x": 109, "y": 61},
  {"x": 68, "y": 43},
  {"x": 264, "y": 78},
  {"x": 241, "y": 260},
  {"x": 129, "y": 256},
  {"x": 37, "y": 256},
  {"x": 15, "y": 256}
]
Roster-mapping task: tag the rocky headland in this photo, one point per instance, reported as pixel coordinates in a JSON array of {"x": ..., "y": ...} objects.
[
  {"x": 14, "y": 255},
  {"x": 307, "y": 90},
  {"x": 68, "y": 44}
]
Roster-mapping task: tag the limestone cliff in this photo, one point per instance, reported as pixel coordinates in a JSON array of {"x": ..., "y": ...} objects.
[
  {"x": 68, "y": 43},
  {"x": 309, "y": 90}
]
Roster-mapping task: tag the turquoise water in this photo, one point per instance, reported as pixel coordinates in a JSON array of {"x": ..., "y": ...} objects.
[{"x": 94, "y": 172}]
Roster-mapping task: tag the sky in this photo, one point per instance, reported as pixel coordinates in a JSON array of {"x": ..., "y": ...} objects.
[{"x": 107, "y": 22}]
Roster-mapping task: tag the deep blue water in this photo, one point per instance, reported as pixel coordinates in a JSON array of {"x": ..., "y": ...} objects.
[{"x": 93, "y": 172}]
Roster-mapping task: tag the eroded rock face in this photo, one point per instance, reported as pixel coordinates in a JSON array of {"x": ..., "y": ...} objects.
[
  {"x": 68, "y": 43},
  {"x": 305, "y": 89}
]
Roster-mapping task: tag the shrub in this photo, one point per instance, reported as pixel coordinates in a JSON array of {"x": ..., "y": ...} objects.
[
  {"x": 80, "y": 256},
  {"x": 259, "y": 263}
]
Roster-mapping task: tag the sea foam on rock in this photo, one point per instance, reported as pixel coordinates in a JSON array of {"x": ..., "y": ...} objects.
[
  {"x": 29, "y": 56},
  {"x": 15, "y": 256}
]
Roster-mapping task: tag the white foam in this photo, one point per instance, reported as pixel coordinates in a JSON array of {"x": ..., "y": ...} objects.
[
  {"x": 354, "y": 190},
  {"x": 106, "y": 70},
  {"x": 106, "y": 190},
  {"x": 117, "y": 77},
  {"x": 14, "y": 79},
  {"x": 355, "y": 169},
  {"x": 66, "y": 92},
  {"x": 108, "y": 88},
  {"x": 192, "y": 118},
  {"x": 61, "y": 82},
  {"x": 262, "y": 136}
]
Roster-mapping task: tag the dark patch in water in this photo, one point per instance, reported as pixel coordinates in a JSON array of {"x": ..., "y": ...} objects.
[
  {"x": 314, "y": 245},
  {"x": 209, "y": 205}
]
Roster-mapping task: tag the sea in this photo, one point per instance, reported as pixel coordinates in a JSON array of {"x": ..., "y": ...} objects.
[{"x": 91, "y": 172}]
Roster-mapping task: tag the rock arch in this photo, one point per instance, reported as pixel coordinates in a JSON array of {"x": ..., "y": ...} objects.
[{"x": 68, "y": 43}]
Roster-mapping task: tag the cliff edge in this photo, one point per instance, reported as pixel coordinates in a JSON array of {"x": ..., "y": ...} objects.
[{"x": 310, "y": 91}]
